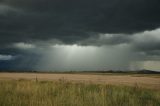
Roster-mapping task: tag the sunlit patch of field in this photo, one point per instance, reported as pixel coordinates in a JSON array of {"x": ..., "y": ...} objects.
[{"x": 141, "y": 80}]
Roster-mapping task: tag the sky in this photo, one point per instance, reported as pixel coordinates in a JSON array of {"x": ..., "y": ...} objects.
[{"x": 79, "y": 35}]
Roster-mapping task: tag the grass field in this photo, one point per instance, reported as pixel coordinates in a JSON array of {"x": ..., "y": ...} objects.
[
  {"x": 147, "y": 81},
  {"x": 63, "y": 93}
]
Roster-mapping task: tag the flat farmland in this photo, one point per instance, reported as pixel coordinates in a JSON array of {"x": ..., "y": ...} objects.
[{"x": 147, "y": 81}]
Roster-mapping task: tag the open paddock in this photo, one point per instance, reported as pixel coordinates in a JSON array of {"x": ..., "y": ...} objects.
[{"x": 147, "y": 81}]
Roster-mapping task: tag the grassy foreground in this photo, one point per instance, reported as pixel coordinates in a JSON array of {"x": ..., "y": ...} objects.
[{"x": 62, "y": 93}]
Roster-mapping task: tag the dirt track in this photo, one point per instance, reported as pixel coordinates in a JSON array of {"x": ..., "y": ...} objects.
[{"x": 143, "y": 81}]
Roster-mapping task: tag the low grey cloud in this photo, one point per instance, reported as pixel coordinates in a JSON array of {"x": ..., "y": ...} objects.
[
  {"x": 5, "y": 57},
  {"x": 146, "y": 41},
  {"x": 104, "y": 51}
]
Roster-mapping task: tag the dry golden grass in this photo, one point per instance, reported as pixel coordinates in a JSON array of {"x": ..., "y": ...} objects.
[
  {"x": 131, "y": 80},
  {"x": 63, "y": 93}
]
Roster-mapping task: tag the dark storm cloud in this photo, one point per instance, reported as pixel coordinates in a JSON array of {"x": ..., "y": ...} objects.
[
  {"x": 113, "y": 32},
  {"x": 20, "y": 62},
  {"x": 106, "y": 39},
  {"x": 19, "y": 57},
  {"x": 74, "y": 20}
]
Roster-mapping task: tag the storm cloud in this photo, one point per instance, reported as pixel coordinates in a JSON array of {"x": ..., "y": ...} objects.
[
  {"x": 70, "y": 20},
  {"x": 31, "y": 29}
]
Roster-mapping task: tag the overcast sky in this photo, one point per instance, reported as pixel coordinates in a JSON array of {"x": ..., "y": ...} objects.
[{"x": 72, "y": 35}]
